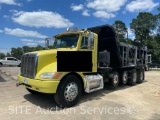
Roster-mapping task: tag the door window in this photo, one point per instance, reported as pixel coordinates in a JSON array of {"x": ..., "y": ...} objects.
[
  {"x": 12, "y": 59},
  {"x": 87, "y": 44}
]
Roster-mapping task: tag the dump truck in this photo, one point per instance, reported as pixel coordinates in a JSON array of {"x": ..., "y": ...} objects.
[{"x": 81, "y": 61}]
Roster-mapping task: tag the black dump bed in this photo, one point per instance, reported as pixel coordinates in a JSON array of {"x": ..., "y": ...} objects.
[
  {"x": 107, "y": 40},
  {"x": 121, "y": 54}
]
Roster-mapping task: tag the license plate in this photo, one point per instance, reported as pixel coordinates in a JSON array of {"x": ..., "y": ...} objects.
[{"x": 25, "y": 81}]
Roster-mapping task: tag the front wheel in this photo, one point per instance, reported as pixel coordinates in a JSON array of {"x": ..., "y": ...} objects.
[{"x": 69, "y": 92}]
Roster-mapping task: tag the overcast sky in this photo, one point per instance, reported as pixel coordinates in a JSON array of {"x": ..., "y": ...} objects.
[{"x": 29, "y": 22}]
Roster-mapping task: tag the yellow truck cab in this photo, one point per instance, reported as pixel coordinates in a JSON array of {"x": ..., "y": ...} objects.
[{"x": 81, "y": 61}]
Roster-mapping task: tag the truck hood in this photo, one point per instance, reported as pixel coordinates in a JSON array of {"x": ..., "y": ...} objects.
[
  {"x": 47, "y": 59},
  {"x": 52, "y": 51}
]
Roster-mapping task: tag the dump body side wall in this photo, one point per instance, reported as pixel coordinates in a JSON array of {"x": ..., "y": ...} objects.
[
  {"x": 107, "y": 40},
  {"x": 121, "y": 54}
]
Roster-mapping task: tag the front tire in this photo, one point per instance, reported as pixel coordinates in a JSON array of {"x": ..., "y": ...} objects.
[{"x": 68, "y": 92}]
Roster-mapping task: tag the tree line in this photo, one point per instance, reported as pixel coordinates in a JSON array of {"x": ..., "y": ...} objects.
[
  {"x": 19, "y": 51},
  {"x": 146, "y": 27}
]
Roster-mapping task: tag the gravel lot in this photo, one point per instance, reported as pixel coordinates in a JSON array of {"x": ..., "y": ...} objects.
[{"x": 140, "y": 102}]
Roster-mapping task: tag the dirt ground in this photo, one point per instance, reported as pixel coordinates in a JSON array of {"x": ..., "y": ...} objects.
[{"x": 139, "y": 102}]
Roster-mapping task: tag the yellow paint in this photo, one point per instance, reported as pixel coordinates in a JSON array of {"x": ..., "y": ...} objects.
[{"x": 47, "y": 62}]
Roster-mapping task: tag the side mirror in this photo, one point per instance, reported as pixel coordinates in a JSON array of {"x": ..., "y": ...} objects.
[
  {"x": 46, "y": 43},
  {"x": 91, "y": 40}
]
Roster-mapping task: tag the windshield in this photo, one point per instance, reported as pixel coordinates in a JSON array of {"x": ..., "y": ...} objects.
[{"x": 65, "y": 41}]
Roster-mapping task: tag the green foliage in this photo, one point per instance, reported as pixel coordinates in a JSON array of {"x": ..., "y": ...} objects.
[
  {"x": 18, "y": 52},
  {"x": 2, "y": 55},
  {"x": 154, "y": 49},
  {"x": 143, "y": 25},
  {"x": 26, "y": 49},
  {"x": 158, "y": 21},
  {"x": 157, "y": 38},
  {"x": 38, "y": 48},
  {"x": 8, "y": 55},
  {"x": 120, "y": 29}
]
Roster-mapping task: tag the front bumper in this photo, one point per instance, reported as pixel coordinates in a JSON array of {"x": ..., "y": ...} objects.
[{"x": 42, "y": 86}]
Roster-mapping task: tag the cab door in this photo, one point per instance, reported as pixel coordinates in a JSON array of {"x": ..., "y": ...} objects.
[{"x": 89, "y": 43}]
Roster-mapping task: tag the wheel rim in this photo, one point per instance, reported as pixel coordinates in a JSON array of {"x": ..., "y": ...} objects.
[
  {"x": 115, "y": 79},
  {"x": 125, "y": 77},
  {"x": 134, "y": 77},
  {"x": 71, "y": 91}
]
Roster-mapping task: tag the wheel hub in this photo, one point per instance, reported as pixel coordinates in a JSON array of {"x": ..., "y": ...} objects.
[
  {"x": 115, "y": 79},
  {"x": 71, "y": 91},
  {"x": 125, "y": 77}
]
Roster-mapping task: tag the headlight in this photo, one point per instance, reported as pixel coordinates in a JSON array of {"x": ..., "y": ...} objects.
[{"x": 51, "y": 75}]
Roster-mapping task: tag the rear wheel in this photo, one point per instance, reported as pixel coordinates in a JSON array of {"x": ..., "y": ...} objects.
[
  {"x": 140, "y": 76},
  {"x": 124, "y": 77},
  {"x": 133, "y": 77},
  {"x": 68, "y": 92},
  {"x": 114, "y": 81}
]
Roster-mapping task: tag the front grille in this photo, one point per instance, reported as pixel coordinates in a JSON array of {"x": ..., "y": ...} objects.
[{"x": 29, "y": 65}]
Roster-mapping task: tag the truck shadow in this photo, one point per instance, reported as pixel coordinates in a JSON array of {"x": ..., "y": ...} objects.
[
  {"x": 46, "y": 101},
  {"x": 101, "y": 93}
]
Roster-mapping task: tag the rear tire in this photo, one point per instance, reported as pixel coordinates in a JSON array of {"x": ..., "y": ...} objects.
[
  {"x": 114, "y": 80},
  {"x": 133, "y": 77},
  {"x": 140, "y": 76},
  {"x": 124, "y": 77},
  {"x": 68, "y": 92}
]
